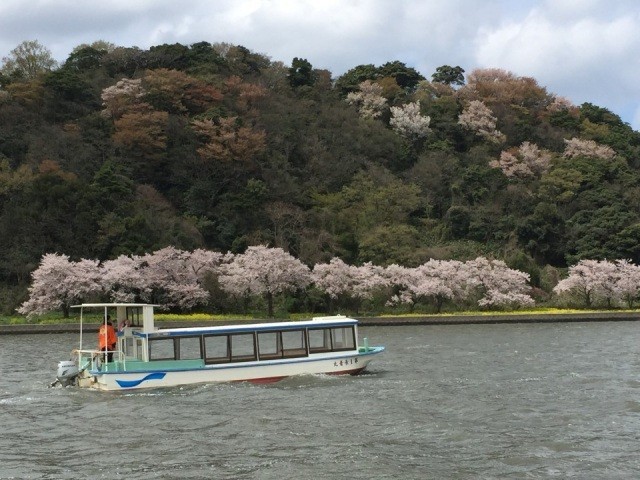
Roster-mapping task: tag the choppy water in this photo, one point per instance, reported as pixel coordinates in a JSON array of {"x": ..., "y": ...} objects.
[{"x": 477, "y": 401}]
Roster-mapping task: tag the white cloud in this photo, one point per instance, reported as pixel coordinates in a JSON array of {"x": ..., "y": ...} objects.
[
  {"x": 587, "y": 59},
  {"x": 585, "y": 50}
]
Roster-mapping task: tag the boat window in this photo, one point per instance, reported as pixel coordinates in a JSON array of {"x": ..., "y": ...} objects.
[
  {"x": 319, "y": 340},
  {"x": 128, "y": 347},
  {"x": 269, "y": 345},
  {"x": 343, "y": 338},
  {"x": 243, "y": 347},
  {"x": 189, "y": 348},
  {"x": 216, "y": 348},
  {"x": 162, "y": 349},
  {"x": 294, "y": 343}
]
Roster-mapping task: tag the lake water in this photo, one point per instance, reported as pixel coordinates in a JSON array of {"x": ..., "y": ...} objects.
[{"x": 474, "y": 401}]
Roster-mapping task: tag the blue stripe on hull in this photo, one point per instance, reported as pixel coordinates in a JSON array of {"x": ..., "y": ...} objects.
[{"x": 135, "y": 383}]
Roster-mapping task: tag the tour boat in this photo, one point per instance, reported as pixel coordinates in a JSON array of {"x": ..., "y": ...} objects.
[{"x": 149, "y": 357}]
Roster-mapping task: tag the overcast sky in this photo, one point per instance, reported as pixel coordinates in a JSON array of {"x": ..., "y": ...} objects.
[{"x": 585, "y": 50}]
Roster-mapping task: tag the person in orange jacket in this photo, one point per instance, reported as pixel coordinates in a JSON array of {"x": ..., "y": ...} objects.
[{"x": 107, "y": 338}]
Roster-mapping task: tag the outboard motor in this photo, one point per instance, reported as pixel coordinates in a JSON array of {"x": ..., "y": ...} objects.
[{"x": 67, "y": 372}]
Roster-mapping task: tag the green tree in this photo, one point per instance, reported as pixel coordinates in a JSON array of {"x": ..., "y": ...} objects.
[
  {"x": 406, "y": 77},
  {"x": 85, "y": 58},
  {"x": 372, "y": 200},
  {"x": 351, "y": 80},
  {"x": 28, "y": 60},
  {"x": 449, "y": 75},
  {"x": 598, "y": 234},
  {"x": 542, "y": 234},
  {"x": 301, "y": 73}
]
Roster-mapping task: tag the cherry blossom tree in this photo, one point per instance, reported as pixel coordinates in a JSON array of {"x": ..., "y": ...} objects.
[
  {"x": 368, "y": 279},
  {"x": 368, "y": 100},
  {"x": 122, "y": 279},
  {"x": 628, "y": 282},
  {"x": 435, "y": 281},
  {"x": 497, "y": 284},
  {"x": 490, "y": 281},
  {"x": 118, "y": 98},
  {"x": 341, "y": 281},
  {"x": 607, "y": 288},
  {"x": 170, "y": 277},
  {"x": 583, "y": 281},
  {"x": 58, "y": 283},
  {"x": 602, "y": 281},
  {"x": 334, "y": 278},
  {"x": 446, "y": 280},
  {"x": 577, "y": 147},
  {"x": 526, "y": 161},
  {"x": 263, "y": 271},
  {"x": 407, "y": 121},
  {"x": 478, "y": 118}
]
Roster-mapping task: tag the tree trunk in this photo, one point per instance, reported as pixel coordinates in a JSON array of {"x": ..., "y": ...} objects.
[{"x": 269, "y": 296}]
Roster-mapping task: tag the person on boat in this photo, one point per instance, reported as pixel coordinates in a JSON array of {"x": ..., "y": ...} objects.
[
  {"x": 123, "y": 323},
  {"x": 107, "y": 339}
]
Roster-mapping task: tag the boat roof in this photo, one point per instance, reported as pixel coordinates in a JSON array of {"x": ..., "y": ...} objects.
[{"x": 338, "y": 321}]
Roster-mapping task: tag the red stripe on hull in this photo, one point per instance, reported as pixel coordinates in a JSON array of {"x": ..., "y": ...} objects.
[
  {"x": 264, "y": 380},
  {"x": 355, "y": 371}
]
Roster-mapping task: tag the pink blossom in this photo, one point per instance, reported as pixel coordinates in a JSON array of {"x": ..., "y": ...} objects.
[
  {"x": 263, "y": 271},
  {"x": 58, "y": 283},
  {"x": 478, "y": 118},
  {"x": 577, "y": 147}
]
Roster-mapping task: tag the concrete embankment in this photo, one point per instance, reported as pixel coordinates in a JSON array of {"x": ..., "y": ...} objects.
[
  {"x": 364, "y": 321},
  {"x": 493, "y": 319}
]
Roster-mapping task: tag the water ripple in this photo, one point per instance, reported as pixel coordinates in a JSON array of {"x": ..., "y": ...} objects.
[{"x": 465, "y": 402}]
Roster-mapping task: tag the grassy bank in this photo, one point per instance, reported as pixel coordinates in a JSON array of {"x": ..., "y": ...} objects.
[{"x": 56, "y": 318}]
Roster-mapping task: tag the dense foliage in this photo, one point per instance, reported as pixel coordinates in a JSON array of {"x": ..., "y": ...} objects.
[{"x": 121, "y": 151}]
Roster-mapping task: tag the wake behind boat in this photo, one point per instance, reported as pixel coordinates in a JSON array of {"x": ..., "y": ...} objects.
[{"x": 145, "y": 356}]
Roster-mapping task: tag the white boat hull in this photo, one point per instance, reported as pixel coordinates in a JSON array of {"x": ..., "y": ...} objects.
[{"x": 351, "y": 362}]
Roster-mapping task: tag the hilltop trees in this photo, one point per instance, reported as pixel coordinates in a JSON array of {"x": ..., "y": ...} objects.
[
  {"x": 27, "y": 61},
  {"x": 301, "y": 73},
  {"x": 449, "y": 75},
  {"x": 123, "y": 151},
  {"x": 402, "y": 76}
]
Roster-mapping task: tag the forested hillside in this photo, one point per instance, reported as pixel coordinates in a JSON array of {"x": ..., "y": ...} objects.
[{"x": 121, "y": 150}]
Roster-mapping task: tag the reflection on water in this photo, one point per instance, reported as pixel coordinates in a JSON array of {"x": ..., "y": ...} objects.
[{"x": 477, "y": 401}]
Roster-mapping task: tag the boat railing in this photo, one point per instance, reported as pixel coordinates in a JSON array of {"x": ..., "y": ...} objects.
[{"x": 94, "y": 359}]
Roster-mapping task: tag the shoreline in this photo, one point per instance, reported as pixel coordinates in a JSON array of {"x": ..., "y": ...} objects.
[{"x": 27, "y": 328}]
